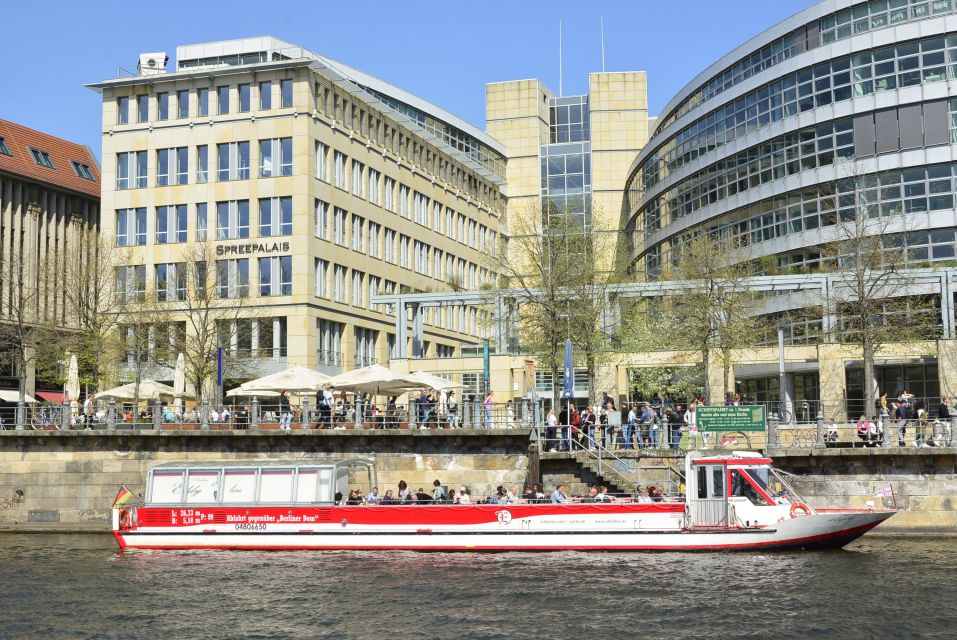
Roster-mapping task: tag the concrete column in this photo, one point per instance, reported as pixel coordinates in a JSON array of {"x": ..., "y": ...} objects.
[
  {"x": 157, "y": 414},
  {"x": 947, "y": 367},
  {"x": 65, "y": 416},
  {"x": 886, "y": 423},
  {"x": 715, "y": 377},
  {"x": 204, "y": 417},
  {"x": 833, "y": 381},
  {"x": 401, "y": 330},
  {"x": 21, "y": 416},
  {"x": 820, "y": 429},
  {"x": 254, "y": 414},
  {"x": 304, "y": 415},
  {"x": 418, "y": 330},
  {"x": 111, "y": 414},
  {"x": 773, "y": 432}
]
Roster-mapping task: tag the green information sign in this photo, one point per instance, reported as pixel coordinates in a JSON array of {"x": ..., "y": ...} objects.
[{"x": 740, "y": 418}]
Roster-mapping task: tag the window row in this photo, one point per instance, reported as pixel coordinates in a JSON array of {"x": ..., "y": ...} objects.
[
  {"x": 902, "y": 65},
  {"x": 172, "y": 281},
  {"x": 204, "y": 101}
]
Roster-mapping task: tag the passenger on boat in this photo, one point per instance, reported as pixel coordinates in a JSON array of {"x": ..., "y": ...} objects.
[
  {"x": 592, "y": 495},
  {"x": 374, "y": 497},
  {"x": 404, "y": 491},
  {"x": 500, "y": 497},
  {"x": 422, "y": 496},
  {"x": 512, "y": 494},
  {"x": 389, "y": 497},
  {"x": 463, "y": 496},
  {"x": 439, "y": 493},
  {"x": 558, "y": 495},
  {"x": 604, "y": 496}
]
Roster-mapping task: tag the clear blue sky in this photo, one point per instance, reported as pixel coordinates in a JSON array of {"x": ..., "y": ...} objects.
[{"x": 443, "y": 51}]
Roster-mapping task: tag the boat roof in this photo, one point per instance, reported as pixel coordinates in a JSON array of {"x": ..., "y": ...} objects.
[
  {"x": 208, "y": 464},
  {"x": 736, "y": 457}
]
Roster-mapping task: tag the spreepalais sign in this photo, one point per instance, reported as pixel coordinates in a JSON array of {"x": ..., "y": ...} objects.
[{"x": 254, "y": 247}]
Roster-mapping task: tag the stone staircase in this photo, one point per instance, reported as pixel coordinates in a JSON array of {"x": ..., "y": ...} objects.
[{"x": 627, "y": 471}]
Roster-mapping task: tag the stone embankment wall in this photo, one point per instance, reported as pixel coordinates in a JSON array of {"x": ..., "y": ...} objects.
[
  {"x": 72, "y": 477},
  {"x": 923, "y": 483}
]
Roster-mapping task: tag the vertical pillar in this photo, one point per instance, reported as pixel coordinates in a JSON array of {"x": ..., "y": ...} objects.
[
  {"x": 401, "y": 330},
  {"x": 833, "y": 381},
  {"x": 65, "y": 415},
  {"x": 886, "y": 424},
  {"x": 820, "y": 429},
  {"x": 773, "y": 432},
  {"x": 21, "y": 416},
  {"x": 418, "y": 329},
  {"x": 204, "y": 417},
  {"x": 157, "y": 414},
  {"x": 111, "y": 414},
  {"x": 947, "y": 305},
  {"x": 829, "y": 320},
  {"x": 254, "y": 414}
]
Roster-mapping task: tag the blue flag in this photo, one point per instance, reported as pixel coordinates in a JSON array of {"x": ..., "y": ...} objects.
[{"x": 568, "y": 386}]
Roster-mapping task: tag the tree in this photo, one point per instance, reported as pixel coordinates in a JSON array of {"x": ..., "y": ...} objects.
[
  {"x": 870, "y": 297},
  {"x": 679, "y": 382},
  {"x": 714, "y": 310}
]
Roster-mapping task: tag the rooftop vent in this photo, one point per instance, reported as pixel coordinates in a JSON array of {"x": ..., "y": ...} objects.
[{"x": 152, "y": 64}]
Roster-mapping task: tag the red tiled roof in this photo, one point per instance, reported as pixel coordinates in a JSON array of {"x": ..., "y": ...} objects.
[{"x": 19, "y": 139}]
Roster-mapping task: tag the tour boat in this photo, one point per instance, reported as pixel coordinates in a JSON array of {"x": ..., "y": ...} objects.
[{"x": 733, "y": 502}]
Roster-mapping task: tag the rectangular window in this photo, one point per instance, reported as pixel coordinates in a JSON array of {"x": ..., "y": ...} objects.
[
  {"x": 233, "y": 162},
  {"x": 162, "y": 105},
  {"x": 373, "y": 243},
  {"x": 142, "y": 108},
  {"x": 374, "y": 186},
  {"x": 389, "y": 246},
  {"x": 275, "y": 157},
  {"x": 373, "y": 290},
  {"x": 171, "y": 166},
  {"x": 404, "y": 251},
  {"x": 131, "y": 170},
  {"x": 202, "y": 164},
  {"x": 339, "y": 226},
  {"x": 275, "y": 217},
  {"x": 357, "y": 178},
  {"x": 357, "y": 288},
  {"x": 232, "y": 220},
  {"x": 322, "y": 276},
  {"x": 171, "y": 224},
  {"x": 265, "y": 95},
  {"x": 222, "y": 99},
  {"x": 131, "y": 283},
  {"x": 339, "y": 170},
  {"x": 390, "y": 194},
  {"x": 42, "y": 158},
  {"x": 131, "y": 227},
  {"x": 201, "y": 221},
  {"x": 202, "y": 97},
  {"x": 82, "y": 170},
  {"x": 357, "y": 223},
  {"x": 123, "y": 110},
  {"x": 437, "y": 217},
  {"x": 171, "y": 281},
  {"x": 232, "y": 278},
  {"x": 182, "y": 103},
  {"x": 275, "y": 276},
  {"x": 285, "y": 87},
  {"x": 339, "y": 284},
  {"x": 420, "y": 209},
  {"x": 403, "y": 201},
  {"x": 244, "y": 98},
  {"x": 322, "y": 220},
  {"x": 449, "y": 222},
  {"x": 322, "y": 161}
]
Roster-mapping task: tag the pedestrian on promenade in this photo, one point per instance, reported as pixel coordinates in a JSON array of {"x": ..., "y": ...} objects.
[
  {"x": 487, "y": 405},
  {"x": 285, "y": 413},
  {"x": 551, "y": 428},
  {"x": 452, "y": 409}
]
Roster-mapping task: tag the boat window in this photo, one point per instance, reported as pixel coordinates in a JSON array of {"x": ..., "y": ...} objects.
[
  {"x": 717, "y": 480},
  {"x": 306, "y": 487},
  {"x": 325, "y": 485},
  {"x": 702, "y": 483},
  {"x": 239, "y": 485},
  {"x": 202, "y": 486},
  {"x": 167, "y": 486},
  {"x": 275, "y": 485},
  {"x": 740, "y": 487}
]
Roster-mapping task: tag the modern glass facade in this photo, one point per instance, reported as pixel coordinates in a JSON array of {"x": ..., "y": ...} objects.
[
  {"x": 566, "y": 160},
  {"x": 843, "y": 107}
]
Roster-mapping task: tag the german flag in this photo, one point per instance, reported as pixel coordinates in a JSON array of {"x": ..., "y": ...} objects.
[{"x": 123, "y": 496}]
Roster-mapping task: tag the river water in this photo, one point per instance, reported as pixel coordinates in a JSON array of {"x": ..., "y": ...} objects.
[{"x": 80, "y": 586}]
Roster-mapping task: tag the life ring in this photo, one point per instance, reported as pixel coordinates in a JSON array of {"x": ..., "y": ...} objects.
[
  {"x": 800, "y": 505},
  {"x": 124, "y": 519}
]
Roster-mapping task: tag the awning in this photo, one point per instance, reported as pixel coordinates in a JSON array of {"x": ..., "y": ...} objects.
[
  {"x": 13, "y": 396},
  {"x": 55, "y": 397}
]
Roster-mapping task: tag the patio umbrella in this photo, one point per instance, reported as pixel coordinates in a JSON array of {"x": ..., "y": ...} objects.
[
  {"x": 298, "y": 380},
  {"x": 377, "y": 380},
  {"x": 179, "y": 384},
  {"x": 435, "y": 382},
  {"x": 149, "y": 390},
  {"x": 72, "y": 387}
]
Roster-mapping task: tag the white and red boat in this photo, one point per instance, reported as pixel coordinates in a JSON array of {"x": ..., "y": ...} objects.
[{"x": 736, "y": 502}]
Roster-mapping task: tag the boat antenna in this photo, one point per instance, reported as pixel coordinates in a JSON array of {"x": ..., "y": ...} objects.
[
  {"x": 561, "y": 91},
  {"x": 602, "y": 23}
]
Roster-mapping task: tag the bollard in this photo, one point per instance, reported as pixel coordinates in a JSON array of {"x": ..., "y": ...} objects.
[
  {"x": 204, "y": 418},
  {"x": 774, "y": 433},
  {"x": 886, "y": 421},
  {"x": 111, "y": 415},
  {"x": 21, "y": 415},
  {"x": 820, "y": 429},
  {"x": 157, "y": 414},
  {"x": 358, "y": 411},
  {"x": 304, "y": 414},
  {"x": 254, "y": 414},
  {"x": 65, "y": 416}
]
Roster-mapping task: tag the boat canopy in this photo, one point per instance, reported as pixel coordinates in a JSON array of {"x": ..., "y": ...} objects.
[{"x": 298, "y": 482}]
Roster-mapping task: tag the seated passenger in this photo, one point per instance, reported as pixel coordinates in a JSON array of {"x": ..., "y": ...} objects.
[
  {"x": 558, "y": 495},
  {"x": 374, "y": 497},
  {"x": 592, "y": 495},
  {"x": 462, "y": 497},
  {"x": 389, "y": 498}
]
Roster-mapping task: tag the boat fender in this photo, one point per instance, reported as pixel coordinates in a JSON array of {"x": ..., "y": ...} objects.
[
  {"x": 800, "y": 505},
  {"x": 124, "y": 519}
]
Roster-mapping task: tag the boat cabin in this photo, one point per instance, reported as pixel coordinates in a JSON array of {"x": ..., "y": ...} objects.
[
  {"x": 297, "y": 482},
  {"x": 741, "y": 490}
]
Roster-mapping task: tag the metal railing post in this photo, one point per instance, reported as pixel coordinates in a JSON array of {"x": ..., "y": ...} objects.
[
  {"x": 254, "y": 414},
  {"x": 65, "y": 416},
  {"x": 774, "y": 433},
  {"x": 157, "y": 414},
  {"x": 111, "y": 414},
  {"x": 204, "y": 418},
  {"x": 820, "y": 429},
  {"x": 304, "y": 415},
  {"x": 21, "y": 416},
  {"x": 886, "y": 420}
]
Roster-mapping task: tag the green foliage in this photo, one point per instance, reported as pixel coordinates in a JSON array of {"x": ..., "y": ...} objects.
[{"x": 680, "y": 382}]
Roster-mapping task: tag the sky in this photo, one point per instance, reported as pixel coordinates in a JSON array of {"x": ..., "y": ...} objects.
[{"x": 444, "y": 52}]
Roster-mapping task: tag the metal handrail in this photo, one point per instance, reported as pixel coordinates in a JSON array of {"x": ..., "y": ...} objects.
[{"x": 596, "y": 454}]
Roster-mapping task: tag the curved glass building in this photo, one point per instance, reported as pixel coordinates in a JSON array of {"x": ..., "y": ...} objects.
[{"x": 761, "y": 144}]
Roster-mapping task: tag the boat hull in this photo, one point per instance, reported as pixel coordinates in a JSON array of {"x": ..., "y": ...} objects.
[{"x": 580, "y": 527}]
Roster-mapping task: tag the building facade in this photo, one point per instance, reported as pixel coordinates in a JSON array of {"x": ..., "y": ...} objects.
[
  {"x": 302, "y": 187},
  {"x": 49, "y": 207},
  {"x": 845, "y": 107}
]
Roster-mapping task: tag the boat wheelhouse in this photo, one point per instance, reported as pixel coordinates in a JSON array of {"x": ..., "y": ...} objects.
[{"x": 735, "y": 502}]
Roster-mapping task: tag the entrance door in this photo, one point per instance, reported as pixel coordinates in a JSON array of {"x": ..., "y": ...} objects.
[{"x": 709, "y": 507}]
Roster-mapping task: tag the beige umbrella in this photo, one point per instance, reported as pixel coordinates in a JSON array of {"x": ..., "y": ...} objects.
[
  {"x": 435, "y": 382},
  {"x": 149, "y": 390},
  {"x": 375, "y": 379},
  {"x": 179, "y": 384},
  {"x": 295, "y": 380}
]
